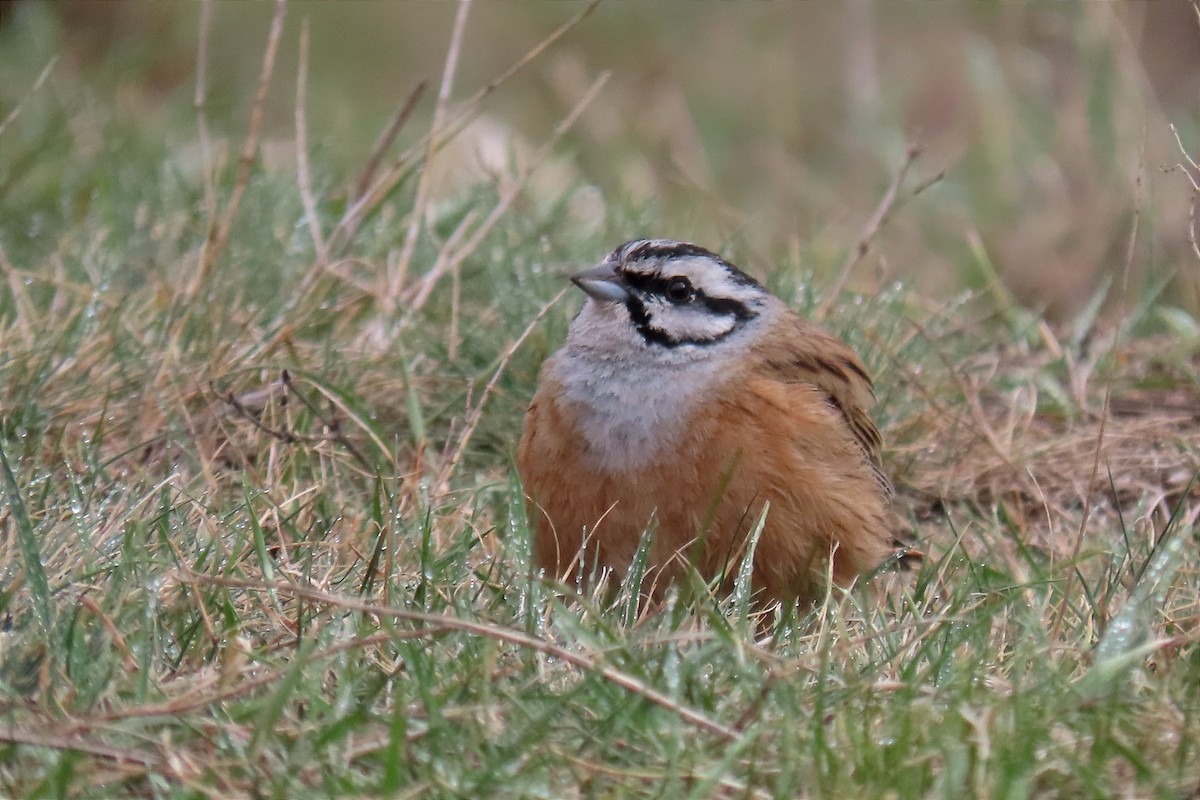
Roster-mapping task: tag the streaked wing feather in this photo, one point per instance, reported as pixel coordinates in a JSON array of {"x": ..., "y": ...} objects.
[{"x": 823, "y": 361}]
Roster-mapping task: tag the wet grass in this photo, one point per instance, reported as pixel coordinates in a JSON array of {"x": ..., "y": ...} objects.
[{"x": 261, "y": 533}]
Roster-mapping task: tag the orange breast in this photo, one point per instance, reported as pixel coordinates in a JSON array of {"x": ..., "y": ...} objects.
[{"x": 755, "y": 442}]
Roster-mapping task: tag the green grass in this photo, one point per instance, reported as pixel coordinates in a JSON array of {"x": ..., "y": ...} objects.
[{"x": 266, "y": 538}]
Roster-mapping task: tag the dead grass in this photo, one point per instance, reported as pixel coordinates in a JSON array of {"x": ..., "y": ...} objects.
[
  {"x": 262, "y": 534},
  {"x": 1028, "y": 431}
]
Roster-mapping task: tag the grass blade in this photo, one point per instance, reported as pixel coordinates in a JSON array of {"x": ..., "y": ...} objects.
[{"x": 35, "y": 572}]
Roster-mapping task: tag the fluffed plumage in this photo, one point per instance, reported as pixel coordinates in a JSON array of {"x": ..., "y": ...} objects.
[{"x": 685, "y": 398}]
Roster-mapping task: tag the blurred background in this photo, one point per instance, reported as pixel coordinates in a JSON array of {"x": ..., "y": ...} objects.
[{"x": 771, "y": 129}]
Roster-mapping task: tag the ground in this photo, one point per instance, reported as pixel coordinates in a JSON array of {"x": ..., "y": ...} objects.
[{"x": 261, "y": 532}]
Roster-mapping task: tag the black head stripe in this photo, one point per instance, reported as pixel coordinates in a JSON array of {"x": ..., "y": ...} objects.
[
  {"x": 658, "y": 286},
  {"x": 651, "y": 284},
  {"x": 644, "y": 322},
  {"x": 641, "y": 321},
  {"x": 658, "y": 249},
  {"x": 651, "y": 249},
  {"x": 645, "y": 284},
  {"x": 727, "y": 306}
]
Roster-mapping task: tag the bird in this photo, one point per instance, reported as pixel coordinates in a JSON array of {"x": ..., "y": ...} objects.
[{"x": 686, "y": 401}]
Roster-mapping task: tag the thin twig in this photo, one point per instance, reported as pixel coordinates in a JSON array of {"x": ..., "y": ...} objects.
[
  {"x": 1186, "y": 155},
  {"x": 417, "y": 215},
  {"x": 218, "y": 234},
  {"x": 386, "y": 138},
  {"x": 425, "y": 287},
  {"x": 303, "y": 176},
  {"x": 469, "y": 105},
  {"x": 455, "y": 300},
  {"x": 37, "y": 85},
  {"x": 1192, "y": 179},
  {"x": 585, "y": 661},
  {"x": 281, "y": 434},
  {"x": 335, "y": 430},
  {"x": 141, "y": 758},
  {"x": 1130, "y": 251},
  {"x": 507, "y": 198},
  {"x": 366, "y": 194},
  {"x": 476, "y": 413},
  {"x": 336, "y": 401},
  {"x": 371, "y": 197},
  {"x": 870, "y": 231},
  {"x": 200, "y": 104}
]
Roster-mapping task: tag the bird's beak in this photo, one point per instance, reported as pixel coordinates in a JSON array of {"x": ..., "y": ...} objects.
[{"x": 602, "y": 284}]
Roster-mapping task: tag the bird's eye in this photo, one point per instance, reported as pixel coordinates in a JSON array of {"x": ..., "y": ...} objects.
[{"x": 680, "y": 291}]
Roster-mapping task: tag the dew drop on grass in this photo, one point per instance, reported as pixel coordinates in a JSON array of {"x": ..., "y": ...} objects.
[
  {"x": 671, "y": 671},
  {"x": 1125, "y": 642}
]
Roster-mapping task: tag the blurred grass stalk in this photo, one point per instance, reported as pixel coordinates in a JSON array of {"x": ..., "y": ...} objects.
[{"x": 261, "y": 533}]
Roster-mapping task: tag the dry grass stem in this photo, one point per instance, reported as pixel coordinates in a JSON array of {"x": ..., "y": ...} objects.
[
  {"x": 42, "y": 77},
  {"x": 200, "y": 106},
  {"x": 1130, "y": 249},
  {"x": 511, "y": 191},
  {"x": 352, "y": 416},
  {"x": 207, "y": 689},
  {"x": 455, "y": 308},
  {"x": 476, "y": 413},
  {"x": 387, "y": 138},
  {"x": 218, "y": 236},
  {"x": 303, "y": 174},
  {"x": 369, "y": 198},
  {"x": 120, "y": 755},
  {"x": 871, "y": 230},
  {"x": 368, "y": 192},
  {"x": 424, "y": 288},
  {"x": 586, "y": 661},
  {"x": 1192, "y": 172},
  {"x": 417, "y": 215}
]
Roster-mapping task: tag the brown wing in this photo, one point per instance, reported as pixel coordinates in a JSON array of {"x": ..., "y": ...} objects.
[{"x": 807, "y": 354}]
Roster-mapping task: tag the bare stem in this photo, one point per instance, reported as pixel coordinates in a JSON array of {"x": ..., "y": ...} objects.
[
  {"x": 387, "y": 137},
  {"x": 870, "y": 231},
  {"x": 200, "y": 103},
  {"x": 218, "y": 234},
  {"x": 476, "y": 413},
  {"x": 452, "y": 262},
  {"x": 590, "y": 662},
  {"x": 37, "y": 85},
  {"x": 370, "y": 196},
  {"x": 303, "y": 175},
  {"x": 367, "y": 192},
  {"x": 396, "y": 280}
]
